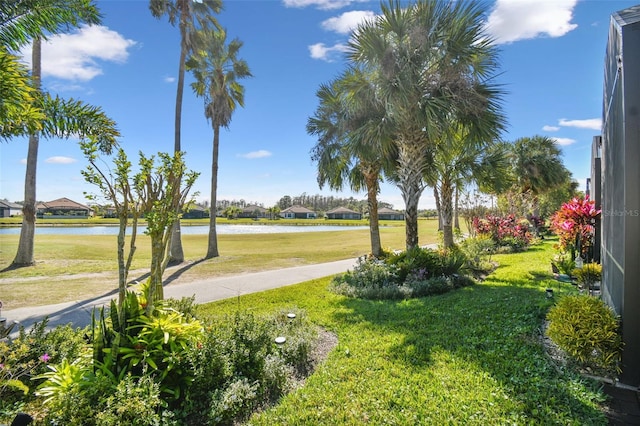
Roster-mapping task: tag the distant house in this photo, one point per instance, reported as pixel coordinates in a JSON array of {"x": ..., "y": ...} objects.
[
  {"x": 253, "y": 211},
  {"x": 8, "y": 209},
  {"x": 195, "y": 212},
  {"x": 343, "y": 213},
  {"x": 63, "y": 208},
  {"x": 388, "y": 214},
  {"x": 298, "y": 212}
]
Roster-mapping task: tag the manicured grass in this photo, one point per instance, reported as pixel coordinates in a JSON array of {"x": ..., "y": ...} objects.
[
  {"x": 77, "y": 267},
  {"x": 473, "y": 356}
]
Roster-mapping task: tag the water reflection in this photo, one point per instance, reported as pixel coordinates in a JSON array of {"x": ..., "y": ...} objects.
[{"x": 186, "y": 230}]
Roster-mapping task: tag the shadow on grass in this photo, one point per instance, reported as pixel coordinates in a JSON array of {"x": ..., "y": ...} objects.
[{"x": 494, "y": 328}]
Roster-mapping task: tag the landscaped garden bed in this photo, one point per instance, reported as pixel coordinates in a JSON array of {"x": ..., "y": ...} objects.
[{"x": 474, "y": 355}]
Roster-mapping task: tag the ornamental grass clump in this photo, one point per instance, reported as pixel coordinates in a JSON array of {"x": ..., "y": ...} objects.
[{"x": 588, "y": 330}]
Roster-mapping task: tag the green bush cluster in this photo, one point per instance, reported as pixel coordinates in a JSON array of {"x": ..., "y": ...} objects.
[
  {"x": 588, "y": 330},
  {"x": 163, "y": 368},
  {"x": 27, "y": 356},
  {"x": 478, "y": 251},
  {"x": 414, "y": 273}
]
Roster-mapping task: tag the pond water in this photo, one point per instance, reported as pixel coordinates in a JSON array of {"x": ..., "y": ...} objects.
[{"x": 186, "y": 230}]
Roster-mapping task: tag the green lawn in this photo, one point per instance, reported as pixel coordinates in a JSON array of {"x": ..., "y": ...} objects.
[
  {"x": 473, "y": 356},
  {"x": 74, "y": 267}
]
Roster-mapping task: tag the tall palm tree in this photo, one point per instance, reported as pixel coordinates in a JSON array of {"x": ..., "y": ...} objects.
[
  {"x": 49, "y": 117},
  {"x": 343, "y": 121},
  {"x": 217, "y": 70},
  {"x": 191, "y": 15},
  {"x": 537, "y": 167},
  {"x": 431, "y": 62}
]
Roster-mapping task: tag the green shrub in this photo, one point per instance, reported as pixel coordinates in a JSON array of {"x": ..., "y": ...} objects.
[
  {"x": 451, "y": 262},
  {"x": 429, "y": 287},
  {"x": 413, "y": 259},
  {"x": 25, "y": 358},
  {"x": 369, "y": 274},
  {"x": 478, "y": 251},
  {"x": 589, "y": 273},
  {"x": 587, "y": 329},
  {"x": 236, "y": 401}
]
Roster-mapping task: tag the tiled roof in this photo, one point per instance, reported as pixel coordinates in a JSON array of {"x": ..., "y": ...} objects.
[
  {"x": 342, "y": 210},
  {"x": 62, "y": 203}
]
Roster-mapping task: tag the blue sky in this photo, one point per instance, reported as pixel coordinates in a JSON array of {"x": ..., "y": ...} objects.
[{"x": 552, "y": 61}]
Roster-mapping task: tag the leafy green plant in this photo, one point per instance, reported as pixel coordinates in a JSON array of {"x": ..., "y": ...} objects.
[
  {"x": 478, "y": 251},
  {"x": 413, "y": 259},
  {"x": 451, "y": 262},
  {"x": 588, "y": 274},
  {"x": 587, "y": 329},
  {"x": 565, "y": 263}
]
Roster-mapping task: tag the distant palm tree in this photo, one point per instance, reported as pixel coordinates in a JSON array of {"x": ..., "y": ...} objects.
[
  {"x": 191, "y": 16},
  {"x": 217, "y": 70},
  {"x": 347, "y": 150},
  {"x": 430, "y": 63},
  {"x": 537, "y": 167},
  {"x": 50, "y": 117}
]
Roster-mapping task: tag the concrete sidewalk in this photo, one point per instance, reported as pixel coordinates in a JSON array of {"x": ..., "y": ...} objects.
[{"x": 78, "y": 313}]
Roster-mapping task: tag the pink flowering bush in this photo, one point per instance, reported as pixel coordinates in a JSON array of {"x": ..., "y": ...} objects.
[
  {"x": 504, "y": 230},
  {"x": 574, "y": 225}
]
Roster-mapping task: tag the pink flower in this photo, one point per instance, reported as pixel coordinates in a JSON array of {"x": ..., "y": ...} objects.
[{"x": 45, "y": 357}]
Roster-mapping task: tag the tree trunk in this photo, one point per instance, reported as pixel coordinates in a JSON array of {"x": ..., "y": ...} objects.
[
  {"x": 446, "y": 192},
  {"x": 436, "y": 196},
  {"x": 212, "y": 247},
  {"x": 176, "y": 253},
  {"x": 412, "y": 164},
  {"x": 156, "y": 291},
  {"x": 374, "y": 225},
  {"x": 456, "y": 210},
  {"x": 25, "y": 256}
]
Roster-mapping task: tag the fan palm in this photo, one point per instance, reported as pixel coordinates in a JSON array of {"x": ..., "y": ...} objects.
[
  {"x": 346, "y": 116},
  {"x": 537, "y": 167},
  {"x": 430, "y": 64},
  {"x": 191, "y": 15},
  {"x": 217, "y": 70}
]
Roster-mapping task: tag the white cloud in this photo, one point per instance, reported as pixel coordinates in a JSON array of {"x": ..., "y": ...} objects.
[
  {"x": 589, "y": 123},
  {"x": 256, "y": 154},
  {"x": 169, "y": 79},
  {"x": 327, "y": 53},
  {"x": 564, "y": 141},
  {"x": 320, "y": 4},
  {"x": 60, "y": 160},
  {"x": 76, "y": 56},
  {"x": 348, "y": 21},
  {"x": 23, "y": 161},
  {"x": 550, "y": 128},
  {"x": 525, "y": 19}
]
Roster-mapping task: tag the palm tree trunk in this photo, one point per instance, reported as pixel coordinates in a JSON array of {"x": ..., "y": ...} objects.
[
  {"x": 25, "y": 256},
  {"x": 411, "y": 166},
  {"x": 374, "y": 225},
  {"x": 176, "y": 253},
  {"x": 212, "y": 247},
  {"x": 446, "y": 192},
  {"x": 436, "y": 196},
  {"x": 456, "y": 210}
]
